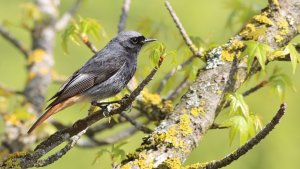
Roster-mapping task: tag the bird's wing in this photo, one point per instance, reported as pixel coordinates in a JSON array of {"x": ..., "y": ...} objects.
[{"x": 91, "y": 74}]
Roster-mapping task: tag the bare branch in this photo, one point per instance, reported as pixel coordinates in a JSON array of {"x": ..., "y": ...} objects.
[
  {"x": 51, "y": 159},
  {"x": 172, "y": 95},
  {"x": 183, "y": 33},
  {"x": 9, "y": 90},
  {"x": 136, "y": 124},
  {"x": 250, "y": 144},
  {"x": 123, "y": 17},
  {"x": 14, "y": 41},
  {"x": 172, "y": 72},
  {"x": 88, "y": 43},
  {"x": 255, "y": 88},
  {"x": 66, "y": 17}
]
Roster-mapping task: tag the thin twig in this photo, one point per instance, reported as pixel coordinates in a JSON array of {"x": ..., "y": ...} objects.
[
  {"x": 9, "y": 91},
  {"x": 14, "y": 41},
  {"x": 183, "y": 33},
  {"x": 93, "y": 142},
  {"x": 136, "y": 124},
  {"x": 123, "y": 17},
  {"x": 172, "y": 72},
  {"x": 172, "y": 95},
  {"x": 217, "y": 126},
  {"x": 51, "y": 159},
  {"x": 66, "y": 17},
  {"x": 249, "y": 144},
  {"x": 88, "y": 43},
  {"x": 255, "y": 88}
]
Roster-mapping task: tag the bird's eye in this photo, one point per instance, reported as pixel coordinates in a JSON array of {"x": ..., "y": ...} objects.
[{"x": 134, "y": 40}]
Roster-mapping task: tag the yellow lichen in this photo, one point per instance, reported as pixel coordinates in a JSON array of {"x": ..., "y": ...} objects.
[
  {"x": 196, "y": 111},
  {"x": 36, "y": 56},
  {"x": 184, "y": 125},
  {"x": 194, "y": 166},
  {"x": 236, "y": 44},
  {"x": 247, "y": 30},
  {"x": 143, "y": 161},
  {"x": 151, "y": 99},
  {"x": 283, "y": 27},
  {"x": 171, "y": 136},
  {"x": 275, "y": 2},
  {"x": 159, "y": 137},
  {"x": 44, "y": 71},
  {"x": 168, "y": 106},
  {"x": 172, "y": 163},
  {"x": 262, "y": 18},
  {"x": 278, "y": 38},
  {"x": 31, "y": 75},
  {"x": 126, "y": 166},
  {"x": 227, "y": 56}
]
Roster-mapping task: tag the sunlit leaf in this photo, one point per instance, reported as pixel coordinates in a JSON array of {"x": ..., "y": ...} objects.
[
  {"x": 156, "y": 51},
  {"x": 256, "y": 50},
  {"x": 294, "y": 55},
  {"x": 238, "y": 104},
  {"x": 81, "y": 28},
  {"x": 279, "y": 82}
]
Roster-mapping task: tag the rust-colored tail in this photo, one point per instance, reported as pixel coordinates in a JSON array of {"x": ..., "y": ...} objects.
[{"x": 54, "y": 109}]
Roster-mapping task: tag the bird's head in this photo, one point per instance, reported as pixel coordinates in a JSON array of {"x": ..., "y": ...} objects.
[{"x": 132, "y": 41}]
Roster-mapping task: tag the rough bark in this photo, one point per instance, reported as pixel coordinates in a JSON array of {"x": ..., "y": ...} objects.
[{"x": 173, "y": 140}]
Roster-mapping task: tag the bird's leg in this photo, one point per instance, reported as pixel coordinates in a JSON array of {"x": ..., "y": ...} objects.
[{"x": 105, "y": 104}]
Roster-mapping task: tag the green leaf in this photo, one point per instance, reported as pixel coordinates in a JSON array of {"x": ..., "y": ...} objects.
[
  {"x": 256, "y": 50},
  {"x": 156, "y": 51},
  {"x": 81, "y": 28},
  {"x": 99, "y": 155},
  {"x": 279, "y": 81},
  {"x": 238, "y": 105},
  {"x": 237, "y": 124},
  {"x": 294, "y": 55}
]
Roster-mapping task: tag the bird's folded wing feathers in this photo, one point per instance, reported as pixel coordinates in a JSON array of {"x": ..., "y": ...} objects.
[{"x": 85, "y": 78}]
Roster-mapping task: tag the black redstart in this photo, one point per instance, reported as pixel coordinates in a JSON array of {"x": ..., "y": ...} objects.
[{"x": 102, "y": 76}]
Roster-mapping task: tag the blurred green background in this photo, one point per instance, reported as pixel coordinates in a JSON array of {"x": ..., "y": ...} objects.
[{"x": 206, "y": 19}]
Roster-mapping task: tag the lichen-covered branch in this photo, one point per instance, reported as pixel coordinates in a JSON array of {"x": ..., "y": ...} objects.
[
  {"x": 51, "y": 159},
  {"x": 176, "y": 136},
  {"x": 14, "y": 41}
]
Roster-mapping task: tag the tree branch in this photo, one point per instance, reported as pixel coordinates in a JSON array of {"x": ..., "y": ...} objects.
[
  {"x": 182, "y": 31},
  {"x": 172, "y": 72},
  {"x": 51, "y": 159},
  {"x": 66, "y": 17},
  {"x": 30, "y": 159},
  {"x": 14, "y": 41},
  {"x": 181, "y": 131},
  {"x": 123, "y": 17},
  {"x": 136, "y": 124},
  {"x": 249, "y": 144}
]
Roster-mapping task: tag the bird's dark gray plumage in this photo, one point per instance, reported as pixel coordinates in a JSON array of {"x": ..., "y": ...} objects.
[{"x": 102, "y": 76}]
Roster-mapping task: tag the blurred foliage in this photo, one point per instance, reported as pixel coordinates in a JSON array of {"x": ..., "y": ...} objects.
[
  {"x": 241, "y": 12},
  {"x": 116, "y": 153},
  {"x": 279, "y": 81},
  {"x": 80, "y": 30},
  {"x": 204, "y": 21}
]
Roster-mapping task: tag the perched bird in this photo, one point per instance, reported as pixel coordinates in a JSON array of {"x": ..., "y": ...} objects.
[{"x": 102, "y": 76}]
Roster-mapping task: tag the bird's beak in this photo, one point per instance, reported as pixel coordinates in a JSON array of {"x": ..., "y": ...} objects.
[{"x": 149, "y": 40}]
